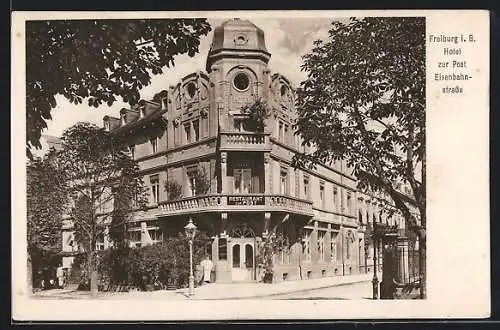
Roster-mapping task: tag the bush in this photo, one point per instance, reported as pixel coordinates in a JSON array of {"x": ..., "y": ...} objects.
[{"x": 154, "y": 266}]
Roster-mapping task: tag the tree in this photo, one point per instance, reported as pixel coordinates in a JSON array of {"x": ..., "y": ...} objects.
[
  {"x": 173, "y": 189},
  {"x": 98, "y": 169},
  {"x": 201, "y": 181},
  {"x": 46, "y": 194},
  {"x": 257, "y": 113},
  {"x": 364, "y": 102},
  {"x": 271, "y": 244},
  {"x": 98, "y": 60}
]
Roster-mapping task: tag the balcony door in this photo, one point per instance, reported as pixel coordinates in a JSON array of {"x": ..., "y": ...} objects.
[{"x": 243, "y": 181}]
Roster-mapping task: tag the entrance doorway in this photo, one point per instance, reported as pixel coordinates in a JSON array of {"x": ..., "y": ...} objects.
[
  {"x": 243, "y": 255},
  {"x": 243, "y": 263}
]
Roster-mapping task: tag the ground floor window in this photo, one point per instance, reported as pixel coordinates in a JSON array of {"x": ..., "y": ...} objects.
[
  {"x": 321, "y": 245},
  {"x": 223, "y": 249},
  {"x": 156, "y": 235},
  {"x": 306, "y": 241},
  {"x": 134, "y": 238}
]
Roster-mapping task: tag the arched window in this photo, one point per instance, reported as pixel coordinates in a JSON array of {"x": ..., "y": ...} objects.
[
  {"x": 236, "y": 256},
  {"x": 243, "y": 231},
  {"x": 248, "y": 255}
]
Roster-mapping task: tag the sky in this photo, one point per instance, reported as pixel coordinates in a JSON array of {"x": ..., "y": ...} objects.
[{"x": 286, "y": 39}]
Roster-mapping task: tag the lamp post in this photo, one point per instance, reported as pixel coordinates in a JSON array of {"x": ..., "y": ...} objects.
[
  {"x": 190, "y": 230},
  {"x": 375, "y": 263}
]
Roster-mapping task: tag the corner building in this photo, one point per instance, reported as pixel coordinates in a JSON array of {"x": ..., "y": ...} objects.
[{"x": 249, "y": 187}]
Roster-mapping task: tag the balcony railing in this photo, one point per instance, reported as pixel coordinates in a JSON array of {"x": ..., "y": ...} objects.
[
  {"x": 245, "y": 141},
  {"x": 235, "y": 202}
]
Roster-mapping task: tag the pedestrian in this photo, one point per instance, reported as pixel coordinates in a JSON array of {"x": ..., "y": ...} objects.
[
  {"x": 206, "y": 266},
  {"x": 60, "y": 276}
]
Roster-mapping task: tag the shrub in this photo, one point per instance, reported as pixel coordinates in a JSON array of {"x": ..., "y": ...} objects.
[{"x": 159, "y": 265}]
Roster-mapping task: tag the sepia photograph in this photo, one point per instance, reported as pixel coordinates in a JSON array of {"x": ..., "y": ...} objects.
[{"x": 226, "y": 158}]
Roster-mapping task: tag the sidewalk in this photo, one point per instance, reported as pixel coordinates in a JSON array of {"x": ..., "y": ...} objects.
[
  {"x": 214, "y": 291},
  {"x": 254, "y": 290}
]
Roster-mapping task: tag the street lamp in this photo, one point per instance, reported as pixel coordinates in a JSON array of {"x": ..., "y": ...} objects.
[
  {"x": 190, "y": 230},
  {"x": 375, "y": 263}
]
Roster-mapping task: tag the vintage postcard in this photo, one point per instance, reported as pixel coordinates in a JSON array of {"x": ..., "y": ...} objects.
[{"x": 250, "y": 165}]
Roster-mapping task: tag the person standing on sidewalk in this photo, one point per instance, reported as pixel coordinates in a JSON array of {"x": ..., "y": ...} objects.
[
  {"x": 60, "y": 276},
  {"x": 206, "y": 266}
]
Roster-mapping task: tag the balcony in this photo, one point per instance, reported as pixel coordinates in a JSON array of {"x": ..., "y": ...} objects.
[
  {"x": 250, "y": 141},
  {"x": 235, "y": 203}
]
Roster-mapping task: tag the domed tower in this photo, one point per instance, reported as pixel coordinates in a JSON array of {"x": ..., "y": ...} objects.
[{"x": 237, "y": 64}]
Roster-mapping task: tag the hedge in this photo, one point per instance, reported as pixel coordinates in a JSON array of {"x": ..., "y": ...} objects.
[{"x": 156, "y": 266}]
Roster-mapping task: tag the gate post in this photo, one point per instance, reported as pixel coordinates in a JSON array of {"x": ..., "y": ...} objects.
[
  {"x": 389, "y": 266},
  {"x": 402, "y": 254}
]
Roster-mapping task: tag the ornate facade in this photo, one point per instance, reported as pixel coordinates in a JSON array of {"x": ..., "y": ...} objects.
[{"x": 200, "y": 161}]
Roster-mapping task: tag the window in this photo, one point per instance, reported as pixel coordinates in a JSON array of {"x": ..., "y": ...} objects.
[
  {"x": 348, "y": 247},
  {"x": 280, "y": 131},
  {"x": 284, "y": 181},
  {"x": 187, "y": 131},
  {"x": 333, "y": 246},
  {"x": 285, "y": 137},
  {"x": 349, "y": 203},
  {"x": 360, "y": 217},
  {"x": 176, "y": 135},
  {"x": 155, "y": 189},
  {"x": 242, "y": 180},
  {"x": 236, "y": 256},
  {"x": 156, "y": 235},
  {"x": 335, "y": 197},
  {"x": 196, "y": 127},
  {"x": 222, "y": 249},
  {"x": 192, "y": 184},
  {"x": 68, "y": 242},
  {"x": 241, "y": 82},
  {"x": 306, "y": 187},
  {"x": 154, "y": 145},
  {"x": 322, "y": 194},
  {"x": 248, "y": 256},
  {"x": 134, "y": 238},
  {"x": 306, "y": 240},
  {"x": 321, "y": 245}
]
